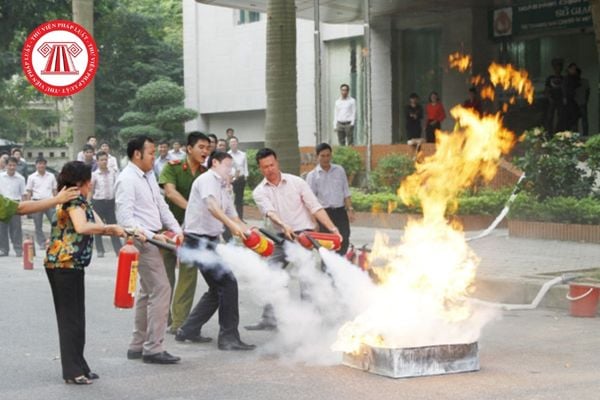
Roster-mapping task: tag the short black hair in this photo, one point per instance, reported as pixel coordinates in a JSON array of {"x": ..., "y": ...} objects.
[
  {"x": 413, "y": 95},
  {"x": 194, "y": 137},
  {"x": 264, "y": 153},
  {"x": 212, "y": 136},
  {"x": 12, "y": 160},
  {"x": 90, "y": 137},
  {"x": 101, "y": 154},
  {"x": 137, "y": 143},
  {"x": 163, "y": 142},
  {"x": 13, "y": 151},
  {"x": 217, "y": 155},
  {"x": 41, "y": 160},
  {"x": 436, "y": 94},
  {"x": 222, "y": 140},
  {"x": 88, "y": 147},
  {"x": 104, "y": 143},
  {"x": 323, "y": 146},
  {"x": 229, "y": 130},
  {"x": 73, "y": 173},
  {"x": 345, "y": 85},
  {"x": 235, "y": 137}
]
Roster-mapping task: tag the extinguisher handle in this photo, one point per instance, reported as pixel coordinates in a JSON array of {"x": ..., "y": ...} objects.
[
  {"x": 313, "y": 241},
  {"x": 277, "y": 238}
]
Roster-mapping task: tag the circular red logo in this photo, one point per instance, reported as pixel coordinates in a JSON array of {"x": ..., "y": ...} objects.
[{"x": 59, "y": 58}]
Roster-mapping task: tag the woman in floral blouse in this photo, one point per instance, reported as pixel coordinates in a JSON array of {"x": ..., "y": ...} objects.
[{"x": 69, "y": 252}]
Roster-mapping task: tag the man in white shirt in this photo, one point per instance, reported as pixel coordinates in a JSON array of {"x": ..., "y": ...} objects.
[
  {"x": 12, "y": 186},
  {"x": 102, "y": 194},
  {"x": 345, "y": 116},
  {"x": 141, "y": 206},
  {"x": 176, "y": 153},
  {"x": 41, "y": 185},
  {"x": 113, "y": 164},
  {"x": 329, "y": 183},
  {"x": 240, "y": 173},
  {"x": 289, "y": 203},
  {"x": 162, "y": 159},
  {"x": 92, "y": 141}
]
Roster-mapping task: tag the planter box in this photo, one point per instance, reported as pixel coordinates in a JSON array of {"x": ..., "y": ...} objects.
[{"x": 554, "y": 231}]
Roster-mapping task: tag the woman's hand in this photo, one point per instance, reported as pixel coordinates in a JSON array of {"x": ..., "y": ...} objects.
[{"x": 114, "y": 230}]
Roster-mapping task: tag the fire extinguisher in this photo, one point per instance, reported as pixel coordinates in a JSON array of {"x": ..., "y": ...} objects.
[
  {"x": 258, "y": 243},
  {"x": 363, "y": 258},
  {"x": 28, "y": 253},
  {"x": 351, "y": 254},
  {"x": 328, "y": 240},
  {"x": 127, "y": 271}
]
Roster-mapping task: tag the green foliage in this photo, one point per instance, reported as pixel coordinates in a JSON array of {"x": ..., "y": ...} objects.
[
  {"x": 254, "y": 174},
  {"x": 390, "y": 171},
  {"x": 592, "y": 148},
  {"x": 349, "y": 158},
  {"x": 485, "y": 202},
  {"x": 551, "y": 165},
  {"x": 158, "y": 111},
  {"x": 557, "y": 209}
]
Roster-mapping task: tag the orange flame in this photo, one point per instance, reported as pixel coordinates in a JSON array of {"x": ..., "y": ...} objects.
[
  {"x": 461, "y": 62},
  {"x": 510, "y": 78}
]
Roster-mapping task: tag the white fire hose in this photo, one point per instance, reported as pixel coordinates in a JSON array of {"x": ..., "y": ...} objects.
[{"x": 536, "y": 301}]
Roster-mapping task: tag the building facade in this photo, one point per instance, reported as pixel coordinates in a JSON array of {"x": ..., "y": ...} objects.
[{"x": 410, "y": 41}]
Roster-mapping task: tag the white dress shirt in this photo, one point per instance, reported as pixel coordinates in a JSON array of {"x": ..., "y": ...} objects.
[
  {"x": 41, "y": 186},
  {"x": 104, "y": 184},
  {"x": 198, "y": 219},
  {"x": 113, "y": 165},
  {"x": 292, "y": 200},
  {"x": 179, "y": 155},
  {"x": 345, "y": 111},
  {"x": 240, "y": 162},
  {"x": 139, "y": 203},
  {"x": 159, "y": 164},
  {"x": 12, "y": 187},
  {"x": 330, "y": 187}
]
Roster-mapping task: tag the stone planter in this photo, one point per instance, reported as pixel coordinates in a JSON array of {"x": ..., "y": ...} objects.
[{"x": 554, "y": 231}]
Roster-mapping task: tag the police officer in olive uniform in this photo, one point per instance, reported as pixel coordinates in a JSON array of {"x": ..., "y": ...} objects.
[
  {"x": 10, "y": 208},
  {"x": 176, "y": 179}
]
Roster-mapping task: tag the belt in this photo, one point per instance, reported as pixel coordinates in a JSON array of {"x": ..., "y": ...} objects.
[
  {"x": 195, "y": 236},
  {"x": 336, "y": 208},
  {"x": 344, "y": 122}
]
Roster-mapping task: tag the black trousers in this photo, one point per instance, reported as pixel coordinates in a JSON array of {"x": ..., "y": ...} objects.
[
  {"x": 222, "y": 295},
  {"x": 106, "y": 211},
  {"x": 430, "y": 131},
  {"x": 13, "y": 230},
  {"x": 68, "y": 292},
  {"x": 238, "y": 190},
  {"x": 339, "y": 217}
]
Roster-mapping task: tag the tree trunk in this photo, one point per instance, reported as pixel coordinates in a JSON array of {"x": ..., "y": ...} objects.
[
  {"x": 595, "y": 6},
  {"x": 84, "y": 106},
  {"x": 281, "y": 126}
]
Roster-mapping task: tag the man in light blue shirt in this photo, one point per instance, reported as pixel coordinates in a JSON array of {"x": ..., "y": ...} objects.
[{"x": 140, "y": 206}]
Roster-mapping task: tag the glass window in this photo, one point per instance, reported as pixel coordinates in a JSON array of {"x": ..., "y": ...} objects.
[{"x": 247, "y": 17}]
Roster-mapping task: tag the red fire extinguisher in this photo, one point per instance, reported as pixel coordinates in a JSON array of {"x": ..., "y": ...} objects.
[
  {"x": 328, "y": 240},
  {"x": 126, "y": 275},
  {"x": 28, "y": 253},
  {"x": 258, "y": 243}
]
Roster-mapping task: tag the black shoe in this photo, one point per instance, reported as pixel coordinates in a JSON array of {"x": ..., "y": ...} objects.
[
  {"x": 92, "y": 375},
  {"x": 236, "y": 345},
  {"x": 261, "y": 326},
  {"x": 100, "y": 255},
  {"x": 180, "y": 336},
  {"x": 134, "y": 355},
  {"x": 161, "y": 358}
]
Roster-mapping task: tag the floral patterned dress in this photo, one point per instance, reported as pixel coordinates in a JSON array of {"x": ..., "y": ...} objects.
[{"x": 67, "y": 248}]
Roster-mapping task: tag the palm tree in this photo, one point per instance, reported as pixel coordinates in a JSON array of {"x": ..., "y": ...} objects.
[
  {"x": 84, "y": 113},
  {"x": 281, "y": 126}
]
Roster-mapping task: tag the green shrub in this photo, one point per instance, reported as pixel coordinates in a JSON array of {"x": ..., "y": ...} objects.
[
  {"x": 592, "y": 148},
  {"x": 349, "y": 158},
  {"x": 568, "y": 210},
  {"x": 485, "y": 202},
  {"x": 254, "y": 175},
  {"x": 551, "y": 165},
  {"x": 390, "y": 171}
]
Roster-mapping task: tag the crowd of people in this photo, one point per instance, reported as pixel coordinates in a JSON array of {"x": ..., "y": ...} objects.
[{"x": 193, "y": 191}]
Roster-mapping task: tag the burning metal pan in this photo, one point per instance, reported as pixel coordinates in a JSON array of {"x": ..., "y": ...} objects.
[{"x": 415, "y": 361}]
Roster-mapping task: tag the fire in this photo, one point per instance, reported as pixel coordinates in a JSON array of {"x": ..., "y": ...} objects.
[
  {"x": 423, "y": 281},
  {"x": 461, "y": 62}
]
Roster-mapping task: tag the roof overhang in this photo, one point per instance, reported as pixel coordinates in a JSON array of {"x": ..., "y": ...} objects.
[{"x": 351, "y": 11}]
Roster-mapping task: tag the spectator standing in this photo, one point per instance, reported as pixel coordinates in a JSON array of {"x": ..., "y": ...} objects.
[
  {"x": 240, "y": 174},
  {"x": 582, "y": 97},
  {"x": 176, "y": 153},
  {"x": 102, "y": 195},
  {"x": 113, "y": 164},
  {"x": 329, "y": 183},
  {"x": 12, "y": 186},
  {"x": 41, "y": 185},
  {"x": 345, "y": 116},
  {"x": 414, "y": 117},
  {"x": 436, "y": 114},
  {"x": 90, "y": 141},
  {"x": 229, "y": 133},
  {"x": 89, "y": 157},
  {"x": 221, "y": 145},
  {"x": 553, "y": 91},
  {"x": 162, "y": 159}
]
